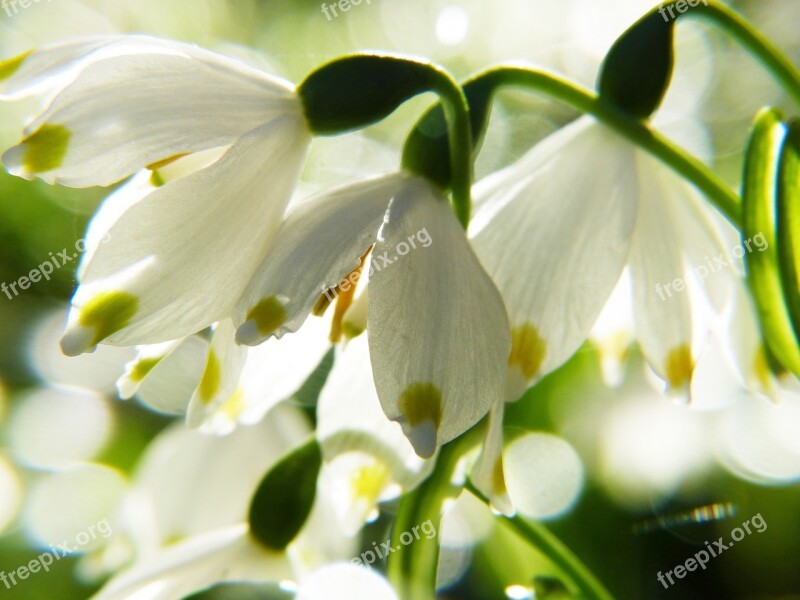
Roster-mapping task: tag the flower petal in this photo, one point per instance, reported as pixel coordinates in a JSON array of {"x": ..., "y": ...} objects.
[
  {"x": 541, "y": 241},
  {"x": 344, "y": 581},
  {"x": 225, "y": 555},
  {"x": 150, "y": 101},
  {"x": 171, "y": 265},
  {"x": 218, "y": 391},
  {"x": 662, "y": 310},
  {"x": 367, "y": 456},
  {"x": 487, "y": 474},
  {"x": 319, "y": 244},
  {"x": 438, "y": 332}
]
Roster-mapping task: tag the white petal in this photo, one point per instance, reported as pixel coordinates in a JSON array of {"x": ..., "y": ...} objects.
[
  {"x": 193, "y": 483},
  {"x": 276, "y": 369},
  {"x": 438, "y": 333},
  {"x": 218, "y": 391},
  {"x": 662, "y": 310},
  {"x": 345, "y": 582},
  {"x": 556, "y": 238},
  {"x": 147, "y": 358},
  {"x": 319, "y": 244},
  {"x": 195, "y": 564},
  {"x": 370, "y": 460},
  {"x": 169, "y": 386},
  {"x": 487, "y": 474},
  {"x": 179, "y": 259},
  {"x": 143, "y": 106}
]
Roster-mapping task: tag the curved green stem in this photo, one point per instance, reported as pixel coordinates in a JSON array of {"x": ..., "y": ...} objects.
[
  {"x": 412, "y": 569},
  {"x": 539, "y": 537},
  {"x": 638, "y": 132},
  {"x": 459, "y": 135},
  {"x": 771, "y": 57}
]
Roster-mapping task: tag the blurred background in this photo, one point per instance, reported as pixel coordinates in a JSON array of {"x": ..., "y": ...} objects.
[{"x": 654, "y": 480}]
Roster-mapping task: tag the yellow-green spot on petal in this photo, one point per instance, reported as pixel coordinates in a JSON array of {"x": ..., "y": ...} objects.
[
  {"x": 369, "y": 481},
  {"x": 45, "y": 149},
  {"x": 156, "y": 180},
  {"x": 498, "y": 477},
  {"x": 212, "y": 377},
  {"x": 527, "y": 350},
  {"x": 234, "y": 406},
  {"x": 268, "y": 315},
  {"x": 143, "y": 367},
  {"x": 679, "y": 366},
  {"x": 10, "y": 66},
  {"x": 421, "y": 402},
  {"x": 107, "y": 313},
  {"x": 351, "y": 330}
]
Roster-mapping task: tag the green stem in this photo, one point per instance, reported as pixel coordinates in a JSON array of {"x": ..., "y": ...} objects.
[
  {"x": 412, "y": 569},
  {"x": 771, "y": 57},
  {"x": 638, "y": 132},
  {"x": 459, "y": 133},
  {"x": 539, "y": 537}
]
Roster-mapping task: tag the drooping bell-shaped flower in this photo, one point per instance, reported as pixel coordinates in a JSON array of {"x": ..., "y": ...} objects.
[{"x": 438, "y": 334}]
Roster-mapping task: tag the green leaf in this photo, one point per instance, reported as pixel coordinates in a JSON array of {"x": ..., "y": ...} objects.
[
  {"x": 637, "y": 70},
  {"x": 284, "y": 497},
  {"x": 788, "y": 222},
  {"x": 427, "y": 150},
  {"x": 759, "y": 192},
  {"x": 355, "y": 91}
]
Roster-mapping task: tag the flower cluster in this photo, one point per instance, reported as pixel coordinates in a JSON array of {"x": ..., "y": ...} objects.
[{"x": 207, "y": 247}]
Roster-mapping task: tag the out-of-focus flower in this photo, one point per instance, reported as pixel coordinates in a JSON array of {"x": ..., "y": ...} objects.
[{"x": 184, "y": 519}]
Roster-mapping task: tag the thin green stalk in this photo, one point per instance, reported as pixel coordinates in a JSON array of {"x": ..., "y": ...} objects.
[
  {"x": 539, "y": 537},
  {"x": 456, "y": 110},
  {"x": 412, "y": 569},
  {"x": 771, "y": 57},
  {"x": 638, "y": 132}
]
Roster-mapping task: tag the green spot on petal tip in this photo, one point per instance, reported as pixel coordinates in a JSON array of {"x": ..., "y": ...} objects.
[
  {"x": 10, "y": 66},
  {"x": 45, "y": 149},
  {"x": 107, "y": 313}
]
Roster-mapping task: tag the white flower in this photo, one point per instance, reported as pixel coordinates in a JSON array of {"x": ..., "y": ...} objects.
[
  {"x": 185, "y": 515},
  {"x": 367, "y": 458},
  {"x": 178, "y": 255},
  {"x": 438, "y": 333},
  {"x": 557, "y": 229}
]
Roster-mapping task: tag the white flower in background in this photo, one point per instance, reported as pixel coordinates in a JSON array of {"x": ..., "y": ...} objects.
[
  {"x": 344, "y": 581},
  {"x": 367, "y": 458},
  {"x": 185, "y": 516},
  {"x": 172, "y": 264},
  {"x": 438, "y": 333},
  {"x": 556, "y": 230}
]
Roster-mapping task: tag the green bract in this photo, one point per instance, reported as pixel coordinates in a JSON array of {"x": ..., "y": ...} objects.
[
  {"x": 355, "y": 91},
  {"x": 637, "y": 70},
  {"x": 284, "y": 497}
]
